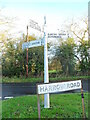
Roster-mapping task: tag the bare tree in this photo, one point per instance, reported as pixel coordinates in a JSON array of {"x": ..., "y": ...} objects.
[{"x": 79, "y": 31}]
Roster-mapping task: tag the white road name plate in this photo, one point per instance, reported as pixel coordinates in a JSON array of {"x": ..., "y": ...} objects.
[
  {"x": 58, "y": 87},
  {"x": 31, "y": 44}
]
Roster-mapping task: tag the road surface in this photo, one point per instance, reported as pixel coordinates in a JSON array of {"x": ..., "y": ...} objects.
[{"x": 11, "y": 90}]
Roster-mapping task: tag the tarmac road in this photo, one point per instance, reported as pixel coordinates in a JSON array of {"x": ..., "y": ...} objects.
[{"x": 11, "y": 90}]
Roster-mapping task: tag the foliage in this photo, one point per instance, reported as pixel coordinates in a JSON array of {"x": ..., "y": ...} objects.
[
  {"x": 65, "y": 53},
  {"x": 73, "y": 55},
  {"x": 84, "y": 55},
  {"x": 55, "y": 65},
  {"x": 14, "y": 60},
  {"x": 36, "y": 61},
  {"x": 6, "y": 27},
  {"x": 81, "y": 36},
  {"x": 12, "y": 63}
]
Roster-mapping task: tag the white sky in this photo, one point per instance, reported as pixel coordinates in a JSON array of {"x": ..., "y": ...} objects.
[{"x": 56, "y": 12}]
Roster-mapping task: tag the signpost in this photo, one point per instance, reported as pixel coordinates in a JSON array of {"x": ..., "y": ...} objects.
[
  {"x": 37, "y": 43},
  {"x": 46, "y": 78},
  {"x": 34, "y": 43},
  {"x": 60, "y": 87},
  {"x": 27, "y": 55}
]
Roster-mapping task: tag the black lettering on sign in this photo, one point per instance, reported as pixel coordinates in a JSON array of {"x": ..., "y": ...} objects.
[
  {"x": 50, "y": 88},
  {"x": 46, "y": 88},
  {"x": 54, "y": 87},
  {"x": 78, "y": 84},
  {"x": 58, "y": 87},
  {"x": 41, "y": 89},
  {"x": 68, "y": 86},
  {"x": 35, "y": 43},
  {"x": 71, "y": 85},
  {"x": 75, "y": 85},
  {"x": 61, "y": 87}
]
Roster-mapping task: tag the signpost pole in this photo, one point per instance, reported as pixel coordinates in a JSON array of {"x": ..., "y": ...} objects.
[
  {"x": 38, "y": 106},
  {"x": 83, "y": 106},
  {"x": 46, "y": 79},
  {"x": 27, "y": 56}
]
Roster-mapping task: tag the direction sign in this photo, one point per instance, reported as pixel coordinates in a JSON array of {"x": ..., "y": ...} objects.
[
  {"x": 34, "y": 25},
  {"x": 31, "y": 44},
  {"x": 58, "y": 87},
  {"x": 55, "y": 35}
]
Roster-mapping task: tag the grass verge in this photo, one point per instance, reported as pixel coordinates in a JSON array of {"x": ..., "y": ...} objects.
[
  {"x": 62, "y": 106},
  {"x": 56, "y": 79}
]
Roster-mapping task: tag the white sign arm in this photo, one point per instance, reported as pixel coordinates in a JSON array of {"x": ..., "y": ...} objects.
[{"x": 59, "y": 87}]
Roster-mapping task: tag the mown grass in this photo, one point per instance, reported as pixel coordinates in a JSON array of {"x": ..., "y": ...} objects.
[
  {"x": 20, "y": 80},
  {"x": 29, "y": 79},
  {"x": 0, "y": 109},
  {"x": 62, "y": 106}
]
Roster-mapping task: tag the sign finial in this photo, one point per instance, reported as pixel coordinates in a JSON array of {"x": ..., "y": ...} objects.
[{"x": 44, "y": 20}]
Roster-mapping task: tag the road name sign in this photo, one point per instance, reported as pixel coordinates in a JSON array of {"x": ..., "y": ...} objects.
[
  {"x": 34, "y": 43},
  {"x": 58, "y": 87}
]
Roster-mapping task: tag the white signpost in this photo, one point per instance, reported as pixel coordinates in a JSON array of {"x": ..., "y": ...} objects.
[
  {"x": 46, "y": 78},
  {"x": 37, "y": 43},
  {"x": 31, "y": 44}
]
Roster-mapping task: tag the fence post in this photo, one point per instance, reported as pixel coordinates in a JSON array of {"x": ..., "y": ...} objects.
[
  {"x": 38, "y": 103},
  {"x": 83, "y": 105}
]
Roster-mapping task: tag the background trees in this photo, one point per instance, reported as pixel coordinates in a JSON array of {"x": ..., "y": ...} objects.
[
  {"x": 14, "y": 59},
  {"x": 70, "y": 57},
  {"x": 80, "y": 31},
  {"x": 6, "y": 27},
  {"x": 74, "y": 53},
  {"x": 65, "y": 53},
  {"x": 84, "y": 61}
]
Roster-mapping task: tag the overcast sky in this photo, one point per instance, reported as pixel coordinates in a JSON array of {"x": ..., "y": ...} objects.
[{"x": 56, "y": 11}]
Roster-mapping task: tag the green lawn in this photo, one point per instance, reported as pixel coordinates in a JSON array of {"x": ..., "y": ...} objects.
[
  {"x": 29, "y": 79},
  {"x": 62, "y": 106}
]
